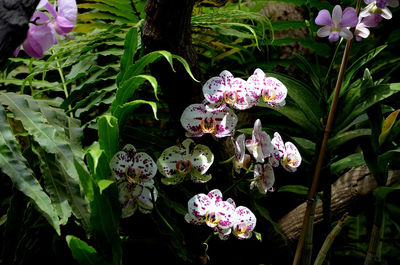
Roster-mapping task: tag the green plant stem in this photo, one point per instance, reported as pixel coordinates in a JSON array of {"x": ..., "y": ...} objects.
[
  {"x": 308, "y": 242},
  {"x": 375, "y": 233},
  {"x": 331, "y": 64},
  {"x": 329, "y": 240},
  {"x": 239, "y": 180},
  {"x": 164, "y": 220},
  {"x": 322, "y": 151},
  {"x": 64, "y": 84}
]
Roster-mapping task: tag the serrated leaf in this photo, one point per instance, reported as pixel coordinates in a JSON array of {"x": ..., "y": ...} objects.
[{"x": 13, "y": 164}]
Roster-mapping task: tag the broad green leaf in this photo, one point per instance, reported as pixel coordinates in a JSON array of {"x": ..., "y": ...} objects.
[
  {"x": 353, "y": 160},
  {"x": 381, "y": 193},
  {"x": 108, "y": 135},
  {"x": 53, "y": 140},
  {"x": 358, "y": 64},
  {"x": 123, "y": 112},
  {"x": 342, "y": 138},
  {"x": 83, "y": 253},
  {"x": 297, "y": 189},
  {"x": 372, "y": 96},
  {"x": 104, "y": 184},
  {"x": 13, "y": 164},
  {"x": 309, "y": 70},
  {"x": 86, "y": 180},
  {"x": 387, "y": 126},
  {"x": 98, "y": 162}
]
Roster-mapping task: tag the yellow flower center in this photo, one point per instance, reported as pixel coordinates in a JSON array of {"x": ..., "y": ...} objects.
[
  {"x": 240, "y": 231},
  {"x": 230, "y": 97},
  {"x": 211, "y": 220},
  {"x": 208, "y": 125},
  {"x": 267, "y": 97},
  {"x": 291, "y": 161}
]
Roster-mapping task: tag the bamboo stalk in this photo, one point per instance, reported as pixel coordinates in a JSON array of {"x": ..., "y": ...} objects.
[
  {"x": 375, "y": 234},
  {"x": 329, "y": 240},
  {"x": 308, "y": 241}
]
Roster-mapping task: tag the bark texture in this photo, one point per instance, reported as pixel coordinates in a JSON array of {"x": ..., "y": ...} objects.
[
  {"x": 14, "y": 24},
  {"x": 347, "y": 195},
  {"x": 167, "y": 27}
]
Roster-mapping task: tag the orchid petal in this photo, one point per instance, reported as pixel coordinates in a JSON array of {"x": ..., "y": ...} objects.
[
  {"x": 279, "y": 150},
  {"x": 275, "y": 92},
  {"x": 225, "y": 213},
  {"x": 336, "y": 15},
  {"x": 324, "y": 31},
  {"x": 385, "y": 13},
  {"x": 122, "y": 161},
  {"x": 215, "y": 196},
  {"x": 202, "y": 158},
  {"x": 213, "y": 89},
  {"x": 198, "y": 205},
  {"x": 264, "y": 178},
  {"x": 392, "y": 3},
  {"x": 349, "y": 18},
  {"x": 128, "y": 194},
  {"x": 194, "y": 220},
  {"x": 245, "y": 222},
  {"x": 346, "y": 33},
  {"x": 146, "y": 166},
  {"x": 334, "y": 36},
  {"x": 324, "y": 18},
  {"x": 292, "y": 158},
  {"x": 68, "y": 9},
  {"x": 145, "y": 200},
  {"x": 191, "y": 118}
]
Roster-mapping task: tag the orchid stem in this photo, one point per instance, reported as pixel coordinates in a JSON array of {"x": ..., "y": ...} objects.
[
  {"x": 239, "y": 180},
  {"x": 226, "y": 161},
  {"x": 321, "y": 156},
  {"x": 164, "y": 220},
  {"x": 60, "y": 71}
]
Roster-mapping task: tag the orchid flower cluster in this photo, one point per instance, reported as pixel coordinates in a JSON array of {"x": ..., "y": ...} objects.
[
  {"x": 223, "y": 94},
  {"x": 338, "y": 24},
  {"x": 223, "y": 216},
  {"x": 43, "y": 30}
]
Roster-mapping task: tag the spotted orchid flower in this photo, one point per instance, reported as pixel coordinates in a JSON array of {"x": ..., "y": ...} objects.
[
  {"x": 211, "y": 210},
  {"x": 361, "y": 31},
  {"x": 287, "y": 154},
  {"x": 134, "y": 173},
  {"x": 244, "y": 223},
  {"x": 198, "y": 120},
  {"x": 272, "y": 90},
  {"x": 177, "y": 162},
  {"x": 241, "y": 159},
  {"x": 226, "y": 89},
  {"x": 133, "y": 196},
  {"x": 336, "y": 26},
  {"x": 264, "y": 178},
  {"x": 379, "y": 7},
  {"x": 260, "y": 144}
]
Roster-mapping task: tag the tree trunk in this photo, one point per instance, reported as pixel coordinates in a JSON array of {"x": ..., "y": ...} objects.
[
  {"x": 167, "y": 27},
  {"x": 14, "y": 24},
  {"x": 347, "y": 195}
]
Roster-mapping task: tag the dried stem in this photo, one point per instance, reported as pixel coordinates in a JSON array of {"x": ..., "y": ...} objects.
[{"x": 329, "y": 240}]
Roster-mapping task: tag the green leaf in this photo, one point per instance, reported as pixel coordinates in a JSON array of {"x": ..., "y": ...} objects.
[
  {"x": 98, "y": 162},
  {"x": 52, "y": 138},
  {"x": 342, "y": 138},
  {"x": 130, "y": 47},
  {"x": 353, "y": 160},
  {"x": 387, "y": 126},
  {"x": 297, "y": 189},
  {"x": 128, "y": 87},
  {"x": 309, "y": 70},
  {"x": 104, "y": 184},
  {"x": 381, "y": 193},
  {"x": 83, "y": 253},
  {"x": 108, "y": 135},
  {"x": 122, "y": 112},
  {"x": 358, "y": 64},
  {"x": 13, "y": 164}
]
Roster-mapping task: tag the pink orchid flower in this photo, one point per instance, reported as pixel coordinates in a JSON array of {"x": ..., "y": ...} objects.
[
  {"x": 379, "y": 7},
  {"x": 198, "y": 120},
  {"x": 260, "y": 144},
  {"x": 272, "y": 90},
  {"x": 336, "y": 26},
  {"x": 241, "y": 159},
  {"x": 264, "y": 178},
  {"x": 287, "y": 154},
  {"x": 244, "y": 223},
  {"x": 226, "y": 89},
  {"x": 134, "y": 173}
]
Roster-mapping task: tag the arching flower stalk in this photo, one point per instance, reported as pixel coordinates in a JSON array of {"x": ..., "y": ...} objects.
[{"x": 189, "y": 160}]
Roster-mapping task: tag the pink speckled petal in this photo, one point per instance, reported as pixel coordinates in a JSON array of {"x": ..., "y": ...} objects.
[
  {"x": 292, "y": 158},
  {"x": 194, "y": 220},
  {"x": 256, "y": 80},
  {"x": 223, "y": 234},
  {"x": 265, "y": 178},
  {"x": 191, "y": 118},
  {"x": 279, "y": 150},
  {"x": 147, "y": 167},
  {"x": 245, "y": 222},
  {"x": 276, "y": 92},
  {"x": 240, "y": 148},
  {"x": 225, "y": 212},
  {"x": 198, "y": 205},
  {"x": 122, "y": 161},
  {"x": 215, "y": 196},
  {"x": 213, "y": 90},
  {"x": 226, "y": 122},
  {"x": 246, "y": 97}
]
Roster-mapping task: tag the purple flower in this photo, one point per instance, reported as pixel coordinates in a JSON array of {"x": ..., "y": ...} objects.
[
  {"x": 379, "y": 7},
  {"x": 42, "y": 32},
  {"x": 336, "y": 26},
  {"x": 362, "y": 31},
  {"x": 198, "y": 120}
]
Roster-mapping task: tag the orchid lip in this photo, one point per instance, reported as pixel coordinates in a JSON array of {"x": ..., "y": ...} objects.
[
  {"x": 291, "y": 161},
  {"x": 267, "y": 97},
  {"x": 241, "y": 231},
  {"x": 230, "y": 97},
  {"x": 211, "y": 221},
  {"x": 184, "y": 166},
  {"x": 128, "y": 175},
  {"x": 208, "y": 125}
]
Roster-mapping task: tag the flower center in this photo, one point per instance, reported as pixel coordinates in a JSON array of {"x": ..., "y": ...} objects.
[
  {"x": 184, "y": 166},
  {"x": 211, "y": 219},
  {"x": 240, "y": 230},
  {"x": 230, "y": 97},
  {"x": 289, "y": 161},
  {"x": 131, "y": 175},
  {"x": 208, "y": 125},
  {"x": 267, "y": 97}
]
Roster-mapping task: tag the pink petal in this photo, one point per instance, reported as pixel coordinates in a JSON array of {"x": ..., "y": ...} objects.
[
  {"x": 198, "y": 205},
  {"x": 68, "y": 9},
  {"x": 336, "y": 15},
  {"x": 350, "y": 18},
  {"x": 324, "y": 18}
]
